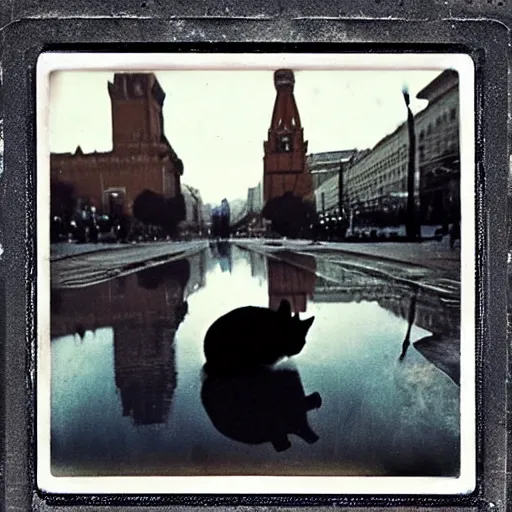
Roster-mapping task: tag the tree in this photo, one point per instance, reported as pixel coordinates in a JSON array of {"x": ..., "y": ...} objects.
[
  {"x": 152, "y": 208},
  {"x": 63, "y": 199},
  {"x": 290, "y": 215}
]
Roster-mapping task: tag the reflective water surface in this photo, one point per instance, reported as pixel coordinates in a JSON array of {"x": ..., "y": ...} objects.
[{"x": 373, "y": 392}]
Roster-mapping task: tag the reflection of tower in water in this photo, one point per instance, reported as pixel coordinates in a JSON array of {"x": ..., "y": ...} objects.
[
  {"x": 144, "y": 310},
  {"x": 258, "y": 269},
  {"x": 291, "y": 277},
  {"x": 145, "y": 371},
  {"x": 144, "y": 355}
]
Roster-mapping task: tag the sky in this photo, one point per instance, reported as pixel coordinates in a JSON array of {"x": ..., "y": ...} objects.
[{"x": 217, "y": 120}]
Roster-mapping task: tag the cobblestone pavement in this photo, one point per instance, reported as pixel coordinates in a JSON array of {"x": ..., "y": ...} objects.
[
  {"x": 78, "y": 269},
  {"x": 430, "y": 265}
]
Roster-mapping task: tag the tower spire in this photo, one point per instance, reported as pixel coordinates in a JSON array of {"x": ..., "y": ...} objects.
[
  {"x": 286, "y": 114},
  {"x": 285, "y": 150}
]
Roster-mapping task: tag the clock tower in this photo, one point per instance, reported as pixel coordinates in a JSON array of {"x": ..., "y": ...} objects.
[{"x": 284, "y": 162}]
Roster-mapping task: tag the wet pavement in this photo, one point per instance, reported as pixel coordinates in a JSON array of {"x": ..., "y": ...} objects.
[{"x": 373, "y": 392}]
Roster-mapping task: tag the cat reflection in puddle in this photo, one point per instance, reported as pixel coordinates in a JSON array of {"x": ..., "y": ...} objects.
[
  {"x": 246, "y": 398},
  {"x": 260, "y": 405}
]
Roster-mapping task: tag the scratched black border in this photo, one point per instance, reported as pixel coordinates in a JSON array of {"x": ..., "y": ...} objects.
[{"x": 484, "y": 40}]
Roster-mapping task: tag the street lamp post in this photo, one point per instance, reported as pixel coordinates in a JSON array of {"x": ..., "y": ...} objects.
[
  {"x": 340, "y": 188},
  {"x": 411, "y": 225}
]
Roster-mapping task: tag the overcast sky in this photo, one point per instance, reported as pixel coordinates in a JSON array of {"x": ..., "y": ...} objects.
[{"x": 217, "y": 120}]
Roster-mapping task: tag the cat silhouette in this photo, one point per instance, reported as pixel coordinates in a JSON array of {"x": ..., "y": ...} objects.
[
  {"x": 253, "y": 336},
  {"x": 262, "y": 405}
]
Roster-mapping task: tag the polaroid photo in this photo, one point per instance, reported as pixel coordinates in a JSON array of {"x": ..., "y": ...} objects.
[{"x": 256, "y": 273}]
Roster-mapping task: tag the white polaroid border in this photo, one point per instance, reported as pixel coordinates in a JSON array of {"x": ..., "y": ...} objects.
[{"x": 465, "y": 483}]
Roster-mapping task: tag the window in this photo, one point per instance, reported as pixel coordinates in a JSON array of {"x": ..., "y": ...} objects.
[
  {"x": 453, "y": 114},
  {"x": 285, "y": 144}
]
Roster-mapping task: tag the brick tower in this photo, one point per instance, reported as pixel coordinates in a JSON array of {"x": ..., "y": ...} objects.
[
  {"x": 137, "y": 120},
  {"x": 141, "y": 158},
  {"x": 284, "y": 163}
]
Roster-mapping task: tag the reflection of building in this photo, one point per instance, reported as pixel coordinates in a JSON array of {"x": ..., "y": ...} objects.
[
  {"x": 221, "y": 252},
  {"x": 431, "y": 313},
  {"x": 284, "y": 162},
  {"x": 291, "y": 277},
  {"x": 197, "y": 279},
  {"x": 141, "y": 158},
  {"x": 145, "y": 298},
  {"x": 258, "y": 268},
  {"x": 145, "y": 310},
  {"x": 376, "y": 181}
]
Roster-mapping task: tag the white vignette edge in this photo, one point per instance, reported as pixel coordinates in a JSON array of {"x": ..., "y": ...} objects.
[{"x": 464, "y": 483}]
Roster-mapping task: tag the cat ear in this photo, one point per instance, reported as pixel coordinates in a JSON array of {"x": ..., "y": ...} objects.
[
  {"x": 285, "y": 308},
  {"x": 306, "y": 324}
]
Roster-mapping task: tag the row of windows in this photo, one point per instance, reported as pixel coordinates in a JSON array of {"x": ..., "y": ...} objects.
[
  {"x": 389, "y": 160},
  {"x": 330, "y": 196},
  {"x": 372, "y": 189},
  {"x": 442, "y": 119},
  {"x": 390, "y": 174}
]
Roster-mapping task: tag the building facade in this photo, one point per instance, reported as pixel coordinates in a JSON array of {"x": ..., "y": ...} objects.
[
  {"x": 194, "y": 209},
  {"x": 141, "y": 157},
  {"x": 254, "y": 199},
  {"x": 284, "y": 161},
  {"x": 437, "y": 132},
  {"x": 327, "y": 164},
  {"x": 376, "y": 180}
]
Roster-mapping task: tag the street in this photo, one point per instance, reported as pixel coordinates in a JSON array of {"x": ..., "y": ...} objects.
[{"x": 381, "y": 361}]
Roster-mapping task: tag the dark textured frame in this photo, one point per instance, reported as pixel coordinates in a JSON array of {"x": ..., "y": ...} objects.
[{"x": 262, "y": 28}]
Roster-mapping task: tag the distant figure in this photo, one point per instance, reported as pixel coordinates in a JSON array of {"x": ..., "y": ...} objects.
[
  {"x": 252, "y": 336},
  {"x": 263, "y": 405}
]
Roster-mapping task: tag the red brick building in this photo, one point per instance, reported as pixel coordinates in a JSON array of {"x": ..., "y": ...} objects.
[
  {"x": 284, "y": 162},
  {"x": 141, "y": 157}
]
